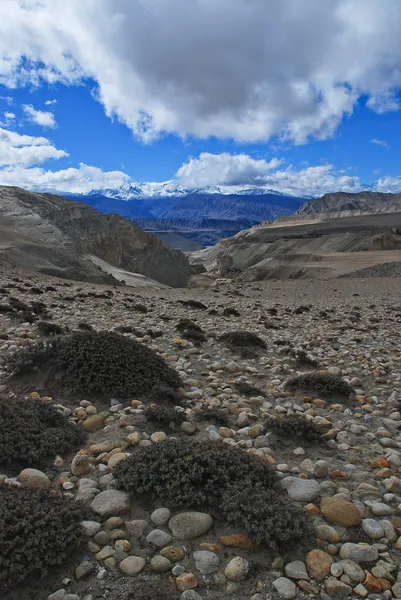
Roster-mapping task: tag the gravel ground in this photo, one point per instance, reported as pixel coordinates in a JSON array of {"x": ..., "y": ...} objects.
[{"x": 348, "y": 482}]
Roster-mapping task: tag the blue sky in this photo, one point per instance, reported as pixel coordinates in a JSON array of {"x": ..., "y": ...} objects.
[{"x": 203, "y": 99}]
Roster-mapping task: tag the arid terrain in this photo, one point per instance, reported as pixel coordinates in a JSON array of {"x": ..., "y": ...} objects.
[{"x": 345, "y": 480}]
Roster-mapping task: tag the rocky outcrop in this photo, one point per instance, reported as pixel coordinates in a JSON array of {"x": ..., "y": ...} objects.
[{"x": 79, "y": 230}]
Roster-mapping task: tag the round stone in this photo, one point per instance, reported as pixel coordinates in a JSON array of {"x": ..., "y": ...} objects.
[
  {"x": 237, "y": 569},
  {"x": 160, "y": 516},
  {"x": 285, "y": 588},
  {"x": 173, "y": 553},
  {"x": 80, "y": 465},
  {"x": 206, "y": 562},
  {"x": 318, "y": 563},
  {"x": 94, "y": 423},
  {"x": 304, "y": 490},
  {"x": 132, "y": 565},
  {"x": 158, "y": 538},
  {"x": 359, "y": 553},
  {"x": 373, "y": 529},
  {"x": 111, "y": 503},
  {"x": 340, "y": 511},
  {"x": 190, "y": 525},
  {"x": 34, "y": 479},
  {"x": 115, "y": 459},
  {"x": 296, "y": 570},
  {"x": 160, "y": 564}
]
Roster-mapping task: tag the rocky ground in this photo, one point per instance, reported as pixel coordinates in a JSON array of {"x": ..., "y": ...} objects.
[{"x": 348, "y": 482}]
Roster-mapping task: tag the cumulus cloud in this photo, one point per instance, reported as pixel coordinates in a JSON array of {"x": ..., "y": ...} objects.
[
  {"x": 242, "y": 69},
  {"x": 388, "y": 184},
  {"x": 8, "y": 119},
  {"x": 25, "y": 150},
  {"x": 224, "y": 169},
  {"x": 80, "y": 180},
  {"x": 239, "y": 170},
  {"x": 40, "y": 117},
  {"x": 50, "y": 102}
]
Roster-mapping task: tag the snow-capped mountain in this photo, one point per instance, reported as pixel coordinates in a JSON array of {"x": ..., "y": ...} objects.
[{"x": 169, "y": 189}]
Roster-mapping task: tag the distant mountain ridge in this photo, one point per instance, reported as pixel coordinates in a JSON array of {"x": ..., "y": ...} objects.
[
  {"x": 234, "y": 206},
  {"x": 360, "y": 203}
]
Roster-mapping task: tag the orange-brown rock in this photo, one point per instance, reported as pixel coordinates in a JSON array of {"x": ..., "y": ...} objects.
[
  {"x": 340, "y": 512},
  {"x": 186, "y": 581},
  {"x": 318, "y": 564},
  {"x": 372, "y": 584},
  {"x": 239, "y": 540}
]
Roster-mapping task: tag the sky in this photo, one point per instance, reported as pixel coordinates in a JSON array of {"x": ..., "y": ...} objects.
[{"x": 303, "y": 97}]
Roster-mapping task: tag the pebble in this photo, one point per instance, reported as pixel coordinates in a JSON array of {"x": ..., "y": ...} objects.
[
  {"x": 337, "y": 589},
  {"x": 110, "y": 503},
  {"x": 84, "y": 569},
  {"x": 237, "y": 569},
  {"x": 159, "y": 538},
  {"x": 340, "y": 511},
  {"x": 160, "y": 564},
  {"x": 303, "y": 490},
  {"x": 296, "y": 570},
  {"x": 160, "y": 516},
  {"x": 190, "y": 525},
  {"x": 80, "y": 465},
  {"x": 373, "y": 529},
  {"x": 285, "y": 588},
  {"x": 132, "y": 565},
  {"x": 206, "y": 562},
  {"x": 359, "y": 553},
  {"x": 318, "y": 564},
  {"x": 34, "y": 479}
]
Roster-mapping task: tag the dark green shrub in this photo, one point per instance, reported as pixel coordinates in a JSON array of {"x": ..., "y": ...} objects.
[
  {"x": 295, "y": 426},
  {"x": 191, "y": 473},
  {"x": 105, "y": 364},
  {"x": 31, "y": 432},
  {"x": 266, "y": 518},
  {"x": 231, "y": 312},
  {"x": 38, "y": 530},
  {"x": 17, "y": 304},
  {"x": 322, "y": 383},
  {"x": 245, "y": 343},
  {"x": 164, "y": 414},
  {"x": 193, "y": 304},
  {"x": 217, "y": 416},
  {"x": 248, "y": 390},
  {"x": 6, "y": 308},
  {"x": 163, "y": 394},
  {"x": 47, "y": 328},
  {"x": 140, "y": 308},
  {"x": 36, "y": 290},
  {"x": 29, "y": 358},
  {"x": 191, "y": 331},
  {"x": 222, "y": 479},
  {"x": 84, "y": 326}
]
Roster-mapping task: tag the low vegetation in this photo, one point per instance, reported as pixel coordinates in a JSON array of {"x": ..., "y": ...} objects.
[
  {"x": 295, "y": 426},
  {"x": 322, "y": 383},
  {"x": 38, "y": 530},
  {"x": 245, "y": 343},
  {"x": 32, "y": 432},
  {"x": 226, "y": 480}
]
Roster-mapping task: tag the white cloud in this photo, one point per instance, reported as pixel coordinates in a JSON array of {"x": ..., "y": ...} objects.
[
  {"x": 82, "y": 180},
  {"x": 7, "y": 99},
  {"x": 8, "y": 119},
  {"x": 388, "y": 184},
  {"x": 232, "y": 170},
  {"x": 382, "y": 143},
  {"x": 224, "y": 169},
  {"x": 25, "y": 150},
  {"x": 242, "y": 69},
  {"x": 50, "y": 102},
  {"x": 40, "y": 117}
]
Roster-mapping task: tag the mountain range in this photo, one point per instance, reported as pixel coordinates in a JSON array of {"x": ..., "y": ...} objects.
[{"x": 202, "y": 215}]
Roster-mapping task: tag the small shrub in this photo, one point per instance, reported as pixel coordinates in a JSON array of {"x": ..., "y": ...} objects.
[
  {"x": 185, "y": 324},
  {"x": 84, "y": 326},
  {"x": 37, "y": 532},
  {"x": 31, "y": 432},
  {"x": 193, "y": 304},
  {"x": 163, "y": 394},
  {"x": 246, "y": 343},
  {"x": 164, "y": 414},
  {"x": 248, "y": 390},
  {"x": 47, "y": 328},
  {"x": 17, "y": 304},
  {"x": 266, "y": 518},
  {"x": 149, "y": 589},
  {"x": 225, "y": 480},
  {"x": 231, "y": 312},
  {"x": 6, "y": 308},
  {"x": 295, "y": 426},
  {"x": 190, "y": 473},
  {"x": 218, "y": 416},
  {"x": 140, "y": 308},
  {"x": 99, "y": 363},
  {"x": 36, "y": 290},
  {"x": 323, "y": 383},
  {"x": 155, "y": 333}
]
